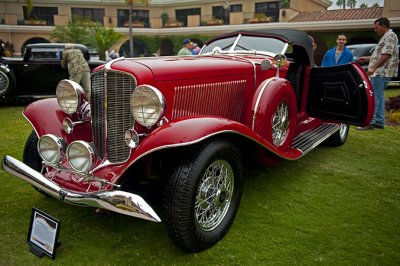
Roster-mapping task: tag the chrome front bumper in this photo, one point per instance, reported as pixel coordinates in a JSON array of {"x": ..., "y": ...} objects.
[{"x": 116, "y": 201}]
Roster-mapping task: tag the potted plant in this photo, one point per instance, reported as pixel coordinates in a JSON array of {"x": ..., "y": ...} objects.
[
  {"x": 260, "y": 18},
  {"x": 214, "y": 21},
  {"x": 164, "y": 18}
]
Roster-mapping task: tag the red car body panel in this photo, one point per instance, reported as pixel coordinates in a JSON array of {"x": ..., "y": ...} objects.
[{"x": 186, "y": 123}]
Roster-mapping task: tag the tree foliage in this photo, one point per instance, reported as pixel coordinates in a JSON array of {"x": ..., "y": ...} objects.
[
  {"x": 104, "y": 38},
  {"x": 87, "y": 32},
  {"x": 77, "y": 30},
  {"x": 344, "y": 3},
  {"x": 363, "y": 5},
  {"x": 351, "y": 3}
]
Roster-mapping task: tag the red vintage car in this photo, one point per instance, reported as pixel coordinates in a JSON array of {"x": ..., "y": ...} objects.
[{"x": 181, "y": 127}]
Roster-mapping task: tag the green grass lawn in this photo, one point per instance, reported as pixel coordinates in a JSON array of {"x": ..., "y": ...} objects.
[{"x": 335, "y": 206}]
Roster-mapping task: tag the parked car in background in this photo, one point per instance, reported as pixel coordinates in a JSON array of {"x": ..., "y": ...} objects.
[
  {"x": 366, "y": 49},
  {"x": 38, "y": 72},
  {"x": 181, "y": 127}
]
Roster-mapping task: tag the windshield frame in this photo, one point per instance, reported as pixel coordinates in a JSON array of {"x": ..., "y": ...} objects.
[{"x": 235, "y": 48}]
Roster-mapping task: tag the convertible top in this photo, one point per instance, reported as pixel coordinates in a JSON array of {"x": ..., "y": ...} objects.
[{"x": 292, "y": 36}]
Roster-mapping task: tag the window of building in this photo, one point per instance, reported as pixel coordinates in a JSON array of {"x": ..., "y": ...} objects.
[
  {"x": 182, "y": 14},
  {"x": 45, "y": 14},
  {"x": 219, "y": 12},
  {"x": 270, "y": 9},
  {"x": 236, "y": 8},
  {"x": 137, "y": 15},
  {"x": 94, "y": 14}
]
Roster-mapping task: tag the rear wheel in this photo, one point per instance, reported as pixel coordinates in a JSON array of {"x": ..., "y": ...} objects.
[
  {"x": 340, "y": 137},
  {"x": 202, "y": 196}
]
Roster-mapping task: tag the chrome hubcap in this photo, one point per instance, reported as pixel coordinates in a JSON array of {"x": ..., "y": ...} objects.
[
  {"x": 214, "y": 195},
  {"x": 280, "y": 124},
  {"x": 342, "y": 131}
]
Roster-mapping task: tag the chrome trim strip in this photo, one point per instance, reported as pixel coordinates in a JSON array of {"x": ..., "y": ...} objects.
[
  {"x": 258, "y": 102},
  {"x": 117, "y": 201}
]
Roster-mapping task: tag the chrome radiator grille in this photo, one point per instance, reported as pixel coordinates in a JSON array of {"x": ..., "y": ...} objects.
[
  {"x": 111, "y": 116},
  {"x": 218, "y": 99}
]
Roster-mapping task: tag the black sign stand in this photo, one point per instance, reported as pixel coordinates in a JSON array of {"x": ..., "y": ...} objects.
[{"x": 43, "y": 234}]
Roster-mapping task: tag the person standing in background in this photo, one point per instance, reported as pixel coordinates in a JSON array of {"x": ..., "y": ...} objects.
[
  {"x": 78, "y": 68},
  {"x": 338, "y": 55},
  {"x": 383, "y": 65},
  {"x": 187, "y": 47}
]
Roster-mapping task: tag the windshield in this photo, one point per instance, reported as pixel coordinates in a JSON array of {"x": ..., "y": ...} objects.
[{"x": 245, "y": 43}]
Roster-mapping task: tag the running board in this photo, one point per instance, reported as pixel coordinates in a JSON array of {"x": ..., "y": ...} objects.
[{"x": 310, "y": 139}]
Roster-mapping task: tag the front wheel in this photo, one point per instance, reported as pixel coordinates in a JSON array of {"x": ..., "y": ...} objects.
[
  {"x": 202, "y": 196},
  {"x": 31, "y": 156}
]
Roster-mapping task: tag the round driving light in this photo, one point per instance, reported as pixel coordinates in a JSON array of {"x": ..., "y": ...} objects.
[
  {"x": 68, "y": 125},
  {"x": 49, "y": 148},
  {"x": 147, "y": 105},
  {"x": 80, "y": 156},
  {"x": 131, "y": 138},
  {"x": 69, "y": 95}
]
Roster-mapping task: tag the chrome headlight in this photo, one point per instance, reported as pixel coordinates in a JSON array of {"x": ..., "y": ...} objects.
[
  {"x": 80, "y": 156},
  {"x": 69, "y": 95},
  {"x": 49, "y": 148},
  {"x": 147, "y": 105}
]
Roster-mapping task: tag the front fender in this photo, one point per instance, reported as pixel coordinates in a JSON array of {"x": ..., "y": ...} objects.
[
  {"x": 193, "y": 130},
  {"x": 46, "y": 117}
]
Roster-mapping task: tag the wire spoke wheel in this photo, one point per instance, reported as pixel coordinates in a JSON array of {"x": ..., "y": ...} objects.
[
  {"x": 4, "y": 82},
  {"x": 280, "y": 124},
  {"x": 214, "y": 195}
]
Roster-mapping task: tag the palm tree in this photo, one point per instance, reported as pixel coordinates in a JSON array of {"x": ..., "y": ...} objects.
[
  {"x": 351, "y": 3},
  {"x": 364, "y": 5},
  {"x": 341, "y": 3},
  {"x": 344, "y": 3},
  {"x": 104, "y": 38},
  {"x": 131, "y": 3},
  {"x": 76, "y": 31},
  {"x": 88, "y": 33}
]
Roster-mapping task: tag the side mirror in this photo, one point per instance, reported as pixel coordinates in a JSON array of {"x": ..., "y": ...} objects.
[{"x": 279, "y": 61}]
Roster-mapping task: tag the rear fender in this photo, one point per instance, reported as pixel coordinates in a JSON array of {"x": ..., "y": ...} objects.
[{"x": 46, "y": 117}]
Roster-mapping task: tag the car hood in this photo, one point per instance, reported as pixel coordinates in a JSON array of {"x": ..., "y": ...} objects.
[{"x": 188, "y": 67}]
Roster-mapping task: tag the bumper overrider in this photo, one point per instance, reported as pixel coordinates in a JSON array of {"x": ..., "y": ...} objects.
[{"x": 115, "y": 200}]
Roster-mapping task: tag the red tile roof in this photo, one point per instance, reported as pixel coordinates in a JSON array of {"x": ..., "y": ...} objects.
[{"x": 339, "y": 14}]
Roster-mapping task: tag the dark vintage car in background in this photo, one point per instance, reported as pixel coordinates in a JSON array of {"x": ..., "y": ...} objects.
[
  {"x": 366, "y": 49},
  {"x": 182, "y": 127},
  {"x": 38, "y": 72}
]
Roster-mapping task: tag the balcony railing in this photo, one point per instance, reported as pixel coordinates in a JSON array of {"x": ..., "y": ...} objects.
[{"x": 234, "y": 18}]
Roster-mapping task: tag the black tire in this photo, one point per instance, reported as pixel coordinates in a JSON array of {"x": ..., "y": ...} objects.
[
  {"x": 31, "y": 156},
  {"x": 7, "y": 82},
  {"x": 190, "y": 182},
  {"x": 340, "y": 136}
]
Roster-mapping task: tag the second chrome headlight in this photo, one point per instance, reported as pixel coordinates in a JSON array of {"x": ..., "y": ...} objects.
[
  {"x": 147, "y": 105},
  {"x": 80, "y": 156}
]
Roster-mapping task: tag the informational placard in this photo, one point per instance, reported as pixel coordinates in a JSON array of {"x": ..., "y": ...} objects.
[{"x": 43, "y": 234}]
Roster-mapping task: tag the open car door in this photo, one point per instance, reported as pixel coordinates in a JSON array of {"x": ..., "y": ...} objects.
[{"x": 342, "y": 94}]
